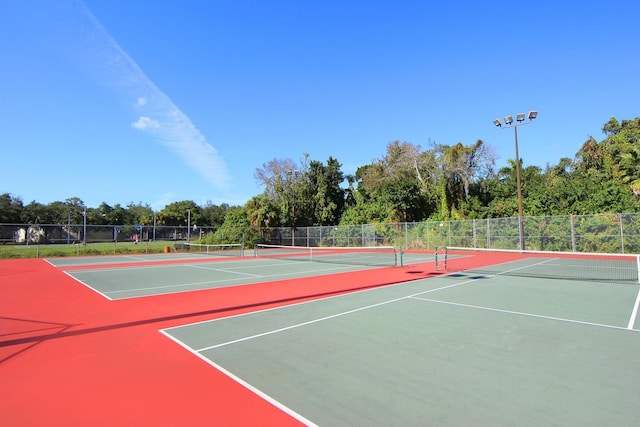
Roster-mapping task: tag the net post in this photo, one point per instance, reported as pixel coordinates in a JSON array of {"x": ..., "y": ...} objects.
[
  {"x": 446, "y": 258},
  {"x": 401, "y": 257},
  {"x": 638, "y": 268},
  {"x": 441, "y": 251}
]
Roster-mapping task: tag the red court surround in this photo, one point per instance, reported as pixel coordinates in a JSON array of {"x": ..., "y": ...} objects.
[{"x": 69, "y": 357}]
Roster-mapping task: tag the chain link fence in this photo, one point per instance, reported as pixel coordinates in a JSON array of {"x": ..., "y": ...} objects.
[
  {"x": 79, "y": 233},
  {"x": 605, "y": 233}
]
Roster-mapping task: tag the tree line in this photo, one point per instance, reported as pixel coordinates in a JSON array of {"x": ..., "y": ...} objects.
[{"x": 407, "y": 184}]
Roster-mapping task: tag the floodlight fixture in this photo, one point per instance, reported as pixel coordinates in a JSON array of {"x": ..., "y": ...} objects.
[{"x": 508, "y": 121}]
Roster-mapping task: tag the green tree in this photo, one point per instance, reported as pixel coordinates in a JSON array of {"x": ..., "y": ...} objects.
[
  {"x": 278, "y": 177},
  {"x": 367, "y": 211},
  {"x": 397, "y": 187},
  {"x": 461, "y": 166},
  {"x": 179, "y": 214},
  {"x": 262, "y": 211},
  {"x": 274, "y": 176},
  {"x": 628, "y": 137},
  {"x": 10, "y": 209},
  {"x": 139, "y": 214},
  {"x": 237, "y": 228},
  {"x": 111, "y": 215},
  {"x": 322, "y": 188},
  {"x": 212, "y": 215},
  {"x": 406, "y": 199},
  {"x": 35, "y": 212}
]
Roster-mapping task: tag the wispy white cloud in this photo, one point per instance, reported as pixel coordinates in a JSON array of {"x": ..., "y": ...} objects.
[
  {"x": 145, "y": 123},
  {"x": 91, "y": 47}
]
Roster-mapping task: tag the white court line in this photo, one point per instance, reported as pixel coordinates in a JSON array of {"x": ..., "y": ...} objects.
[
  {"x": 87, "y": 286},
  {"x": 632, "y": 319},
  {"x": 519, "y": 313},
  {"x": 182, "y": 285},
  {"x": 222, "y": 270},
  {"x": 634, "y": 313},
  {"x": 243, "y": 383},
  {"x": 146, "y": 258},
  {"x": 234, "y": 264},
  {"x": 333, "y": 316},
  {"x": 412, "y": 296},
  {"x": 198, "y": 352},
  {"x": 105, "y": 260},
  {"x": 519, "y": 268}
]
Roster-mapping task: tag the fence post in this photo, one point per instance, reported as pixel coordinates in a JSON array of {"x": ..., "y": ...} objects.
[
  {"x": 488, "y": 234},
  {"x": 406, "y": 235},
  {"x": 475, "y": 235},
  {"x": 621, "y": 232},
  {"x": 573, "y": 234},
  {"x": 428, "y": 228}
]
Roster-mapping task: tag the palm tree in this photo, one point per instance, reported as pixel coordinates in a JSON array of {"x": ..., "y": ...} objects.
[{"x": 630, "y": 168}]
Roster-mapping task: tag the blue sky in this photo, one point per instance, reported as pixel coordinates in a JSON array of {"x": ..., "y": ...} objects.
[{"x": 159, "y": 101}]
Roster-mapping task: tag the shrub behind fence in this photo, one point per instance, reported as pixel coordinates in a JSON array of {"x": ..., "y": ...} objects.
[{"x": 606, "y": 233}]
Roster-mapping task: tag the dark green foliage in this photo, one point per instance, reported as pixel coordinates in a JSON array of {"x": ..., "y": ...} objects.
[{"x": 408, "y": 184}]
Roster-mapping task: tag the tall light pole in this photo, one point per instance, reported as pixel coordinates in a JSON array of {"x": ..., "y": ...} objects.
[
  {"x": 292, "y": 178},
  {"x": 84, "y": 226},
  {"x": 188, "y": 225},
  {"x": 508, "y": 121}
]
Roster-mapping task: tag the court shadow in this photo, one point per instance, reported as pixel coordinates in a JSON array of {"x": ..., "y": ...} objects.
[
  {"x": 63, "y": 332},
  {"x": 423, "y": 273},
  {"x": 19, "y": 335}
]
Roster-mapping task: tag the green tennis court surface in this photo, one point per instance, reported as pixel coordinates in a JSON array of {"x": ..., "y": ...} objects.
[
  {"x": 456, "y": 350},
  {"x": 474, "y": 345},
  {"x": 121, "y": 259},
  {"x": 614, "y": 268},
  {"x": 118, "y": 277}
]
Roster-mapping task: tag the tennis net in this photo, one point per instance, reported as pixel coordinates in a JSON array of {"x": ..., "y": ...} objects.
[
  {"x": 222, "y": 249},
  {"x": 369, "y": 256},
  {"x": 617, "y": 268}
]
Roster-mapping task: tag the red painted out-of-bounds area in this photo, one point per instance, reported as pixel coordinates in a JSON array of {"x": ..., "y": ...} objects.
[{"x": 69, "y": 357}]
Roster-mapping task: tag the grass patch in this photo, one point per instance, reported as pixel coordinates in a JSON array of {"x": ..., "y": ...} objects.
[{"x": 65, "y": 250}]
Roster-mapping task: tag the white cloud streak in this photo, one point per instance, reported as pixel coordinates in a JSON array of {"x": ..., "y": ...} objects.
[
  {"x": 86, "y": 43},
  {"x": 144, "y": 123}
]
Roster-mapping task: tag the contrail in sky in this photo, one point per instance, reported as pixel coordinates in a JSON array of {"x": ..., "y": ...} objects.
[{"x": 84, "y": 41}]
